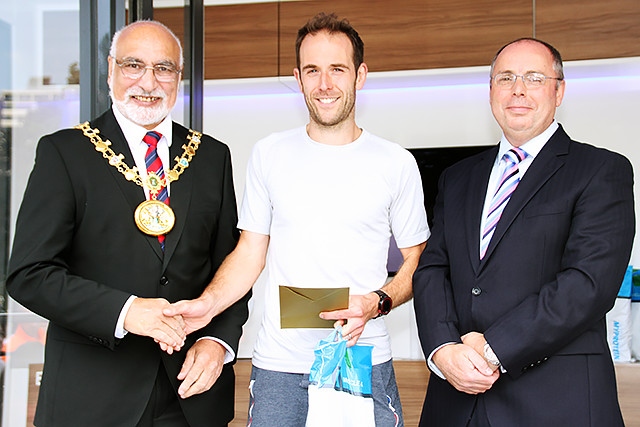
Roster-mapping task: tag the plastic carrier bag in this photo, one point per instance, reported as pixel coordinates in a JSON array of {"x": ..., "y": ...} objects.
[
  {"x": 619, "y": 321},
  {"x": 340, "y": 384}
]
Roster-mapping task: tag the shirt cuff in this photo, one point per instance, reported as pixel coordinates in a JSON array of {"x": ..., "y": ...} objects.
[
  {"x": 229, "y": 354},
  {"x": 120, "y": 331},
  {"x": 432, "y": 365}
]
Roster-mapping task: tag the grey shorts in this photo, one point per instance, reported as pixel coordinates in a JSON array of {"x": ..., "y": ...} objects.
[{"x": 279, "y": 399}]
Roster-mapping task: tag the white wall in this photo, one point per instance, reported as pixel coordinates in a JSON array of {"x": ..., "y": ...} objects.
[{"x": 447, "y": 107}]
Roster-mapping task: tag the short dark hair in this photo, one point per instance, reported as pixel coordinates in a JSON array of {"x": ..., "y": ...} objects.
[
  {"x": 331, "y": 24},
  {"x": 557, "y": 58}
]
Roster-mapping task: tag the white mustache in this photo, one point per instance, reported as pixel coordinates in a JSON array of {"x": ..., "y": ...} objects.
[{"x": 137, "y": 91}]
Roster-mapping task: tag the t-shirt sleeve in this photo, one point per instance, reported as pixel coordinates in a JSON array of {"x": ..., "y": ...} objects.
[
  {"x": 408, "y": 216},
  {"x": 256, "y": 209}
]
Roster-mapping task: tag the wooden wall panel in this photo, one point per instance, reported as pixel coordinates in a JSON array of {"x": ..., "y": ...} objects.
[
  {"x": 172, "y": 17},
  {"x": 240, "y": 40},
  {"x": 590, "y": 29},
  {"x": 257, "y": 40},
  {"x": 416, "y": 34}
]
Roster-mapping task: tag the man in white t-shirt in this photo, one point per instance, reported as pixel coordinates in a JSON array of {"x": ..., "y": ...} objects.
[{"x": 320, "y": 205}]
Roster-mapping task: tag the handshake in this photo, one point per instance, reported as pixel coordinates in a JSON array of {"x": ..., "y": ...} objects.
[{"x": 168, "y": 324}]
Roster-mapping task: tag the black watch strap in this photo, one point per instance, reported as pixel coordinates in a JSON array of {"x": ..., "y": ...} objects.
[{"x": 384, "y": 304}]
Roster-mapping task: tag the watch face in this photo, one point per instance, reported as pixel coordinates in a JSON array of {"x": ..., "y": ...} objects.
[{"x": 385, "y": 305}]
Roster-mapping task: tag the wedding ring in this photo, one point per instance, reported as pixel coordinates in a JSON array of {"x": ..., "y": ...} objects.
[{"x": 349, "y": 337}]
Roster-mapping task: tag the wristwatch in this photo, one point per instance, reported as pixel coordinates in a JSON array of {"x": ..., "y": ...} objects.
[
  {"x": 490, "y": 356},
  {"x": 385, "y": 303}
]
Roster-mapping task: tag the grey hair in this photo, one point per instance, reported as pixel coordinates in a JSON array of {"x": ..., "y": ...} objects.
[{"x": 116, "y": 37}]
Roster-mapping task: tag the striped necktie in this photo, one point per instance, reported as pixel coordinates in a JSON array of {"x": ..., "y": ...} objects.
[
  {"x": 154, "y": 166},
  {"x": 506, "y": 186}
]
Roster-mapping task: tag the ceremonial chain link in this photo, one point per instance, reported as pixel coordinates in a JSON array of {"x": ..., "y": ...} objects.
[{"x": 132, "y": 174}]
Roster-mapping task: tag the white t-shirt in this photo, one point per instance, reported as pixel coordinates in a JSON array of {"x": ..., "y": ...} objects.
[{"x": 329, "y": 212}]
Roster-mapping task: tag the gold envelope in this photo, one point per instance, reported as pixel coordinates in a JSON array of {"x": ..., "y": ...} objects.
[{"x": 299, "y": 307}]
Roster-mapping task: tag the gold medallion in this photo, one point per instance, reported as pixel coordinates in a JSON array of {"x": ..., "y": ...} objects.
[{"x": 154, "y": 217}]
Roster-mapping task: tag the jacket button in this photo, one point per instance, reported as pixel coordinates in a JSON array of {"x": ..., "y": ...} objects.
[
  {"x": 164, "y": 281},
  {"x": 476, "y": 291}
]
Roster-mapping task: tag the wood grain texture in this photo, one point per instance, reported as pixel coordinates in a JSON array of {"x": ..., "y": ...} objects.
[
  {"x": 416, "y": 34},
  {"x": 582, "y": 29},
  {"x": 257, "y": 40},
  {"x": 240, "y": 41}
]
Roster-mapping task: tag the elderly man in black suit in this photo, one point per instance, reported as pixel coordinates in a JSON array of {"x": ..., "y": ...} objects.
[{"x": 109, "y": 233}]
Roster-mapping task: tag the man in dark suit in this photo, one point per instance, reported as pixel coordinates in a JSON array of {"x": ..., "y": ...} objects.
[
  {"x": 100, "y": 249},
  {"x": 512, "y": 290}
]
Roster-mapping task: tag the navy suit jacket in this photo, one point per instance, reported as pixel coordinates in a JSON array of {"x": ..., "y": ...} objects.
[
  {"x": 540, "y": 295},
  {"x": 78, "y": 256}
]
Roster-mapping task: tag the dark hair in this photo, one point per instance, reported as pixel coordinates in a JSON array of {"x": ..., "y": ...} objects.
[
  {"x": 331, "y": 24},
  {"x": 557, "y": 58}
]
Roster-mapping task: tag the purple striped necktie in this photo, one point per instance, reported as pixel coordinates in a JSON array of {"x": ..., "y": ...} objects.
[
  {"x": 506, "y": 186},
  {"x": 154, "y": 165}
]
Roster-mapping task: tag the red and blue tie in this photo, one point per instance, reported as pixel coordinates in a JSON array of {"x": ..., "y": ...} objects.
[{"x": 154, "y": 165}]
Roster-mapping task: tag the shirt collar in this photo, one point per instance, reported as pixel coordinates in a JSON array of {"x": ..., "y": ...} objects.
[
  {"x": 533, "y": 146},
  {"x": 134, "y": 133}
]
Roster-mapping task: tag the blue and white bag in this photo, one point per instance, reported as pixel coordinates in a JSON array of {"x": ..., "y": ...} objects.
[
  {"x": 340, "y": 384},
  {"x": 619, "y": 321}
]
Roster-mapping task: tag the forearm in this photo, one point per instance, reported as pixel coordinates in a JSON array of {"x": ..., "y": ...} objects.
[
  {"x": 400, "y": 288},
  {"x": 238, "y": 272}
]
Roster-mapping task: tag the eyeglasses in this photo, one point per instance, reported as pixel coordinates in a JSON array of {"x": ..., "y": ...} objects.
[
  {"x": 135, "y": 70},
  {"x": 530, "y": 80}
]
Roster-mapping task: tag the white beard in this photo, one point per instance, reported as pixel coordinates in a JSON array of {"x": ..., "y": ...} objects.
[{"x": 140, "y": 115}]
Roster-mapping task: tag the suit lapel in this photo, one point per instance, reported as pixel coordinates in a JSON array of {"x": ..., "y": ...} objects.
[
  {"x": 133, "y": 193},
  {"x": 181, "y": 192},
  {"x": 545, "y": 165}
]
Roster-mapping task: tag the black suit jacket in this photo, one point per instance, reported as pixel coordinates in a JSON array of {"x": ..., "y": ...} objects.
[
  {"x": 552, "y": 271},
  {"x": 78, "y": 256}
]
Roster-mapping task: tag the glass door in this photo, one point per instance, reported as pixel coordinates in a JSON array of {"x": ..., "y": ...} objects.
[{"x": 39, "y": 94}]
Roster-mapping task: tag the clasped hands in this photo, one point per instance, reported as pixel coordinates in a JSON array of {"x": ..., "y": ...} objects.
[{"x": 464, "y": 366}]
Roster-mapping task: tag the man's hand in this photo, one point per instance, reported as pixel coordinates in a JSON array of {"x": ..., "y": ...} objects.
[
  {"x": 465, "y": 369},
  {"x": 361, "y": 309},
  {"x": 145, "y": 318},
  {"x": 476, "y": 341},
  {"x": 196, "y": 313},
  {"x": 201, "y": 367}
]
